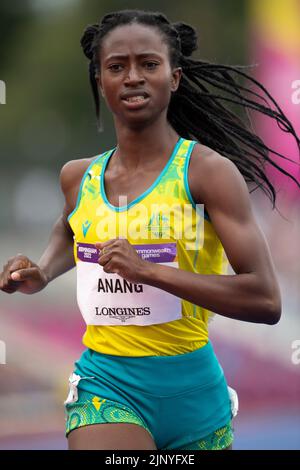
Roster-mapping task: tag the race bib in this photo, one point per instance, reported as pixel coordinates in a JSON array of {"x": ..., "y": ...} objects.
[{"x": 108, "y": 299}]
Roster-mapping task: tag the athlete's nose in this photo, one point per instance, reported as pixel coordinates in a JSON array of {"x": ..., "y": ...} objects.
[{"x": 134, "y": 77}]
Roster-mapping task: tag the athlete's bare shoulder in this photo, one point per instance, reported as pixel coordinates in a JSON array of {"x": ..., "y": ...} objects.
[
  {"x": 206, "y": 159},
  {"x": 71, "y": 175},
  {"x": 72, "y": 172},
  {"x": 208, "y": 168}
]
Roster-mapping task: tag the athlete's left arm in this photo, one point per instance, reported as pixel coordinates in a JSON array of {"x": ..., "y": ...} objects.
[{"x": 252, "y": 294}]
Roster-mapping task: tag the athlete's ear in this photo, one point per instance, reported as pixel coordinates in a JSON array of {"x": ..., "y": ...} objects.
[
  {"x": 176, "y": 76},
  {"x": 99, "y": 83}
]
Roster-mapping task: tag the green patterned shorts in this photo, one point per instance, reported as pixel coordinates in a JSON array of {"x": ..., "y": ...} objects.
[{"x": 91, "y": 409}]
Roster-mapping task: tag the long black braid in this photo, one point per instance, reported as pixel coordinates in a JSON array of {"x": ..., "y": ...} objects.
[{"x": 196, "y": 110}]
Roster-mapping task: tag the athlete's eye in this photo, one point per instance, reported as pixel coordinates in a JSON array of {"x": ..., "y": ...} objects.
[
  {"x": 151, "y": 65},
  {"x": 115, "y": 67}
]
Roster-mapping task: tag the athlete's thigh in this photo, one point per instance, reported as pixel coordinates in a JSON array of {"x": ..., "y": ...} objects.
[{"x": 111, "y": 436}]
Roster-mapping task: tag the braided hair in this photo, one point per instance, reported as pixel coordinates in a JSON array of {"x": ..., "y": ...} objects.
[{"x": 197, "y": 109}]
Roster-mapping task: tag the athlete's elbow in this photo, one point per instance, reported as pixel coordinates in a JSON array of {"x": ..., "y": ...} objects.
[
  {"x": 272, "y": 310},
  {"x": 269, "y": 300}
]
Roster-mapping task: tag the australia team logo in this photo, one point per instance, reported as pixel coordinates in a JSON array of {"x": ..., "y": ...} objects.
[{"x": 158, "y": 225}]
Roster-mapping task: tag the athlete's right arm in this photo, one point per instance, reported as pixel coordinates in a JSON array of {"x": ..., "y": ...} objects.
[{"x": 23, "y": 275}]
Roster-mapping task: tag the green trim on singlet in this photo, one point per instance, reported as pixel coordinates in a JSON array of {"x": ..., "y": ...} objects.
[
  {"x": 82, "y": 183},
  {"x": 186, "y": 182},
  {"x": 145, "y": 193},
  {"x": 186, "y": 166}
]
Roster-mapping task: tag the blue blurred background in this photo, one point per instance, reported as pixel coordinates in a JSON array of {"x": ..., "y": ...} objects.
[{"x": 47, "y": 120}]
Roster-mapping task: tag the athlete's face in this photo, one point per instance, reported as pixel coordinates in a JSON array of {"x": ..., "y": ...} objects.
[{"x": 136, "y": 78}]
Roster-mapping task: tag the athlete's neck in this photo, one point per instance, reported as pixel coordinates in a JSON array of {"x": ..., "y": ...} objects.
[{"x": 140, "y": 149}]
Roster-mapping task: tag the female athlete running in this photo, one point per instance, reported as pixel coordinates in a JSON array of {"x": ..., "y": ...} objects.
[{"x": 147, "y": 224}]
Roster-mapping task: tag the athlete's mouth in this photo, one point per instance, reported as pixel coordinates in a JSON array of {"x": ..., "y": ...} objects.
[
  {"x": 135, "y": 99},
  {"x": 134, "y": 96}
]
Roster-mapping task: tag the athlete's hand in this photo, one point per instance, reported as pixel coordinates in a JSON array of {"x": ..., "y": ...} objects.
[
  {"x": 118, "y": 256},
  {"x": 22, "y": 275}
]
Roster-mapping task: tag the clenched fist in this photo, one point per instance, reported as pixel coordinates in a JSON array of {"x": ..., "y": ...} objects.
[
  {"x": 22, "y": 275},
  {"x": 119, "y": 256}
]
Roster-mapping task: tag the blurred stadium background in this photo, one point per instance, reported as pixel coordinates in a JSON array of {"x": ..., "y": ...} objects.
[{"x": 47, "y": 120}]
